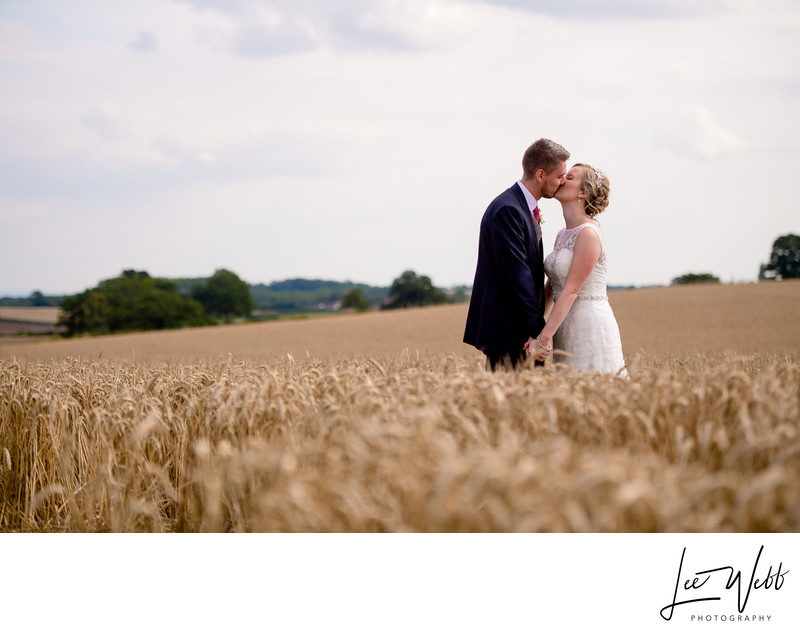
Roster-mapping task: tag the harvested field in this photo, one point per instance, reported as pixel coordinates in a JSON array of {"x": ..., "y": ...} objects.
[
  {"x": 42, "y": 315},
  {"x": 18, "y": 323},
  {"x": 386, "y": 422},
  {"x": 763, "y": 317},
  {"x": 669, "y": 320},
  {"x": 10, "y": 330}
]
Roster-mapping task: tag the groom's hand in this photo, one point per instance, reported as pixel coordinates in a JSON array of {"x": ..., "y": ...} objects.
[{"x": 527, "y": 346}]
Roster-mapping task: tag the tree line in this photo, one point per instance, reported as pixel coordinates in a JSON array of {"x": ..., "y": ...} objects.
[{"x": 135, "y": 301}]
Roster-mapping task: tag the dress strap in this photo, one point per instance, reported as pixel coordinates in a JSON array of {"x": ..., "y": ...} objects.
[{"x": 594, "y": 225}]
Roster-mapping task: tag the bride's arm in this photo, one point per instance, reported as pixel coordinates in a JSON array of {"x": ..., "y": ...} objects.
[{"x": 584, "y": 257}]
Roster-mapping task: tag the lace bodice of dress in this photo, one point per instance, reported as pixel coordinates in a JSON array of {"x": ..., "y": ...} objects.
[
  {"x": 557, "y": 264},
  {"x": 589, "y": 335}
]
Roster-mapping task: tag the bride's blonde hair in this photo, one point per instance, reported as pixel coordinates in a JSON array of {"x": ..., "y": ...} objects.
[{"x": 596, "y": 187}]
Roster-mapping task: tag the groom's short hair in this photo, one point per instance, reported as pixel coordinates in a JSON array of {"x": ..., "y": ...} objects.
[{"x": 543, "y": 154}]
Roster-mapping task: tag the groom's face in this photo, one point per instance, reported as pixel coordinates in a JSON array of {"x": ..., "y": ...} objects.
[{"x": 553, "y": 180}]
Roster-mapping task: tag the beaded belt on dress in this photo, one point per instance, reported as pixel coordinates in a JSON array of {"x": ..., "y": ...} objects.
[{"x": 579, "y": 297}]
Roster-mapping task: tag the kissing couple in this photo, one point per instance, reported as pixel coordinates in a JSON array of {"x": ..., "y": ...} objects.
[{"x": 513, "y": 312}]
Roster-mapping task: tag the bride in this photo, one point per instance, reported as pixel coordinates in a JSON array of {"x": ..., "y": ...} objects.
[{"x": 581, "y": 324}]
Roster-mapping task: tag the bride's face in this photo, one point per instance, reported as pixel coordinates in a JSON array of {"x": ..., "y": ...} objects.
[{"x": 571, "y": 187}]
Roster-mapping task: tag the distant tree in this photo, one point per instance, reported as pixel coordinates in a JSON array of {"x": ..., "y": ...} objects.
[
  {"x": 354, "y": 299},
  {"x": 459, "y": 296},
  {"x": 132, "y": 274},
  {"x": 225, "y": 295},
  {"x": 131, "y": 302},
  {"x": 411, "y": 290},
  {"x": 784, "y": 261},
  {"x": 86, "y": 312},
  {"x": 688, "y": 279},
  {"x": 38, "y": 299}
]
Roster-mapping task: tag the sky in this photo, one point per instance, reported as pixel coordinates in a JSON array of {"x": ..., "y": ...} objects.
[{"x": 357, "y": 139}]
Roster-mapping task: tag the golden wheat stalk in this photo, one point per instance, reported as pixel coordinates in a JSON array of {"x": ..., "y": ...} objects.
[{"x": 400, "y": 442}]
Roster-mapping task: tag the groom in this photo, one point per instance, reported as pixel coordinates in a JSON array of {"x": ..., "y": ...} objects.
[{"x": 507, "y": 303}]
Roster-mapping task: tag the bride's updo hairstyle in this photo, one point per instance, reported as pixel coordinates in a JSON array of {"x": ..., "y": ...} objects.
[{"x": 596, "y": 187}]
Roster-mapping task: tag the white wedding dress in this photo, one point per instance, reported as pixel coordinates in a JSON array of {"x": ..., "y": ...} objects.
[{"x": 589, "y": 333}]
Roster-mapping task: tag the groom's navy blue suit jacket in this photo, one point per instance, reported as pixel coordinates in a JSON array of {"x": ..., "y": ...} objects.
[{"x": 507, "y": 303}]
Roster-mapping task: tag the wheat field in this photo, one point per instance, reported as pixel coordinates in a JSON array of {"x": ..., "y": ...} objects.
[{"x": 385, "y": 422}]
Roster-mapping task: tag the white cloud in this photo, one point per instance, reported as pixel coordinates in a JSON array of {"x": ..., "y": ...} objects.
[
  {"x": 628, "y": 10},
  {"x": 277, "y": 27},
  {"x": 359, "y": 139},
  {"x": 145, "y": 42},
  {"x": 695, "y": 133}
]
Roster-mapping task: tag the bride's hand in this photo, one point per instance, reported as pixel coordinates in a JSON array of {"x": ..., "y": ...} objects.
[{"x": 542, "y": 346}]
